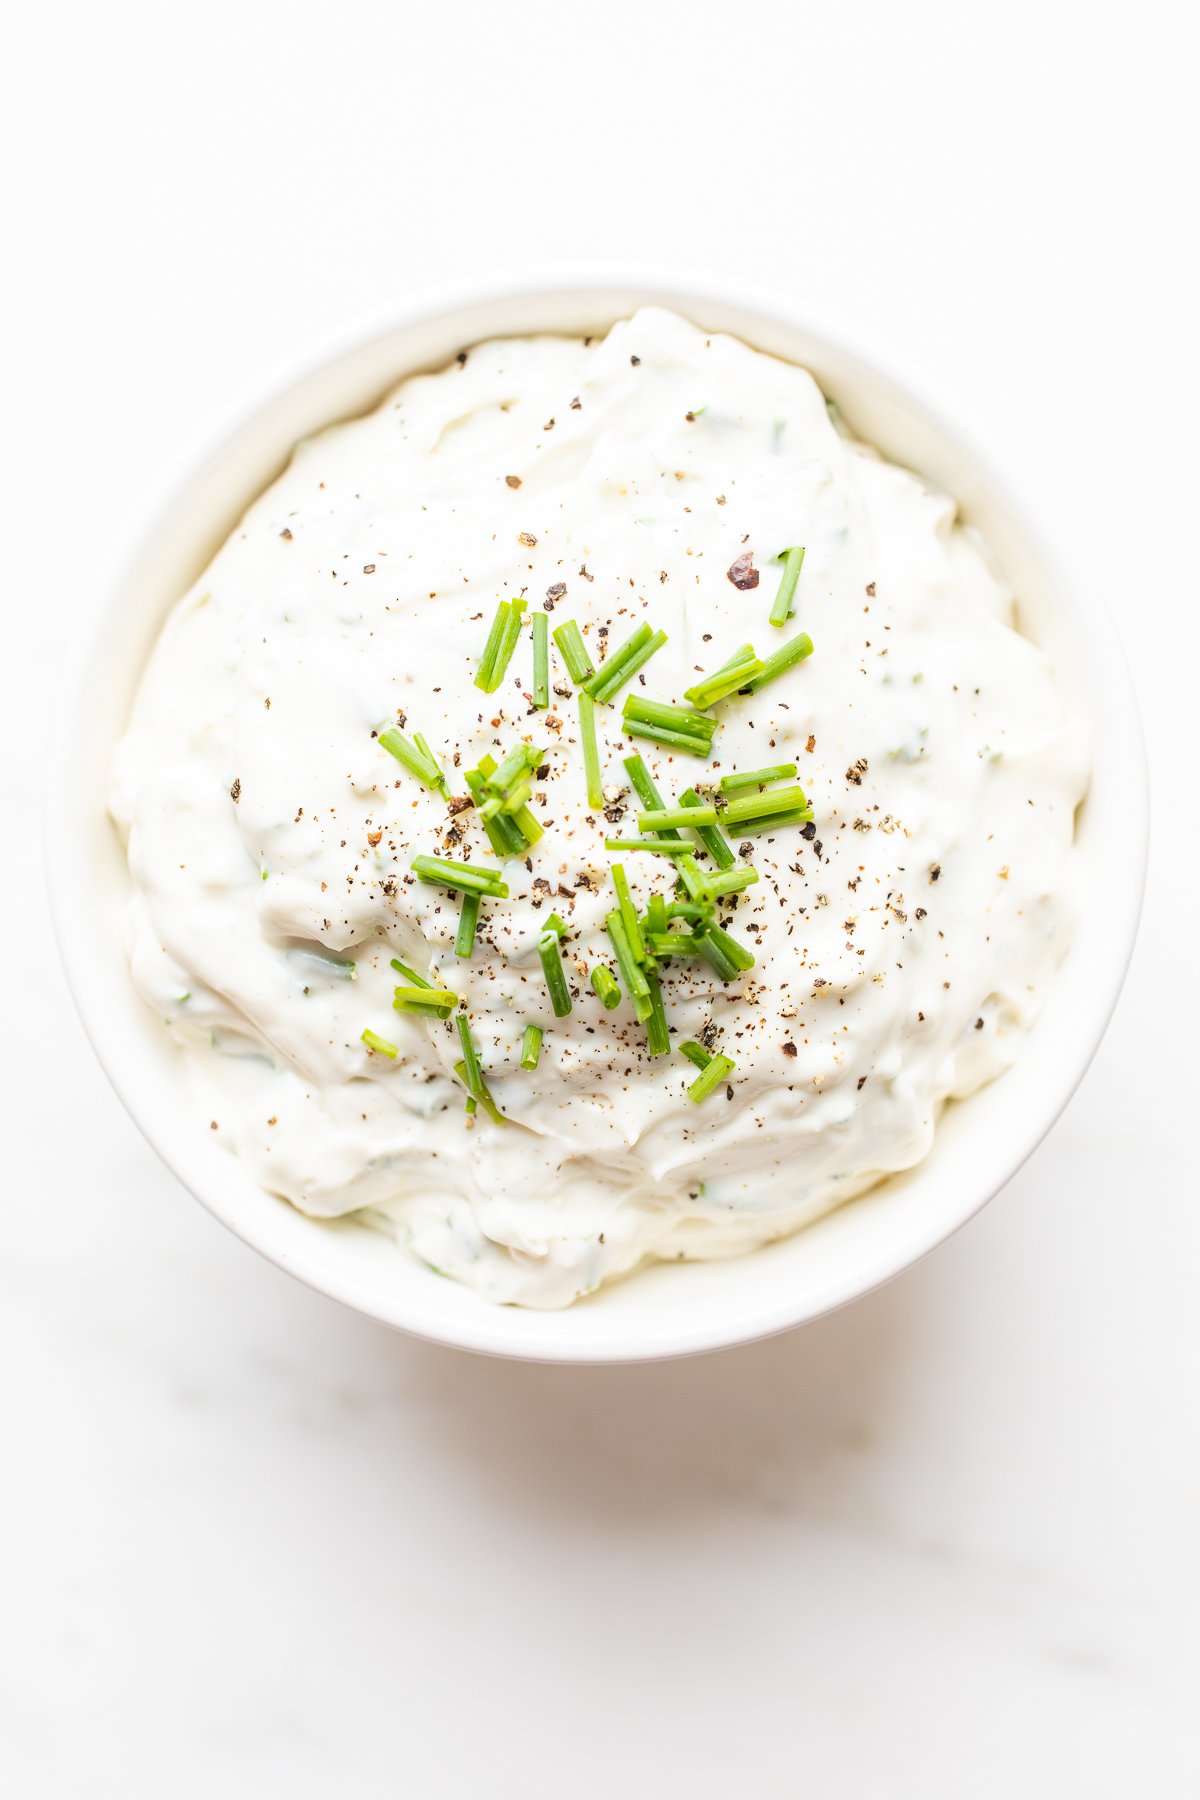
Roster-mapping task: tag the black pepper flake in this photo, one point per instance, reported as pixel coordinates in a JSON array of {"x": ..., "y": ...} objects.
[
  {"x": 742, "y": 572},
  {"x": 513, "y": 481},
  {"x": 285, "y": 533},
  {"x": 808, "y": 831},
  {"x": 789, "y": 1049},
  {"x": 461, "y": 359},
  {"x": 921, "y": 913},
  {"x": 935, "y": 870},
  {"x": 636, "y": 361},
  {"x": 871, "y": 589},
  {"x": 554, "y": 592},
  {"x": 235, "y": 792},
  {"x": 861, "y": 1083},
  {"x": 979, "y": 1024}
]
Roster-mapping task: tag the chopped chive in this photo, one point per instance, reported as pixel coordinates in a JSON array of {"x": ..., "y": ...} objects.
[
  {"x": 775, "y": 822},
  {"x": 418, "y": 762},
  {"x": 691, "y": 909},
  {"x": 727, "y": 956},
  {"x": 570, "y": 642},
  {"x": 483, "y": 1098},
  {"x": 711, "y": 836},
  {"x": 556, "y": 925},
  {"x": 636, "y": 985},
  {"x": 687, "y": 743},
  {"x": 517, "y": 799},
  {"x": 693, "y": 878},
  {"x": 694, "y": 815},
  {"x": 591, "y": 751},
  {"x": 606, "y": 986},
  {"x": 656, "y": 913},
  {"x": 468, "y": 921},
  {"x": 527, "y": 826},
  {"x": 676, "y": 718},
  {"x": 625, "y": 662},
  {"x": 792, "y": 561},
  {"x": 629, "y": 912},
  {"x": 502, "y": 641},
  {"x": 443, "y": 871},
  {"x": 711, "y": 1077},
  {"x": 794, "y": 651},
  {"x": 531, "y": 1046},
  {"x": 729, "y": 784},
  {"x": 672, "y": 943},
  {"x": 735, "y": 881},
  {"x": 541, "y": 659},
  {"x": 758, "y": 806},
  {"x": 642, "y": 783},
  {"x": 474, "y": 1075},
  {"x": 742, "y": 666},
  {"x": 658, "y": 1036},
  {"x": 514, "y": 769},
  {"x": 695, "y": 1053},
  {"x": 550, "y": 953},
  {"x": 470, "y": 1104},
  {"x": 654, "y": 846},
  {"x": 373, "y": 1041},
  {"x": 491, "y": 649},
  {"x": 442, "y": 785},
  {"x": 502, "y": 833},
  {"x": 410, "y": 975},
  {"x": 419, "y": 999}
]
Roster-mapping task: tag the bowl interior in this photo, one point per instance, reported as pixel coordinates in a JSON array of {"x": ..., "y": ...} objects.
[{"x": 666, "y": 1309}]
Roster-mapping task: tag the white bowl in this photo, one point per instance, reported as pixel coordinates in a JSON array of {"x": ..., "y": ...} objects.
[{"x": 664, "y": 1310}]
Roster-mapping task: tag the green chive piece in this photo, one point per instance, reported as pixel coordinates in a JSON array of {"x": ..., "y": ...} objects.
[
  {"x": 474, "y": 1077},
  {"x": 741, "y": 668},
  {"x": 483, "y": 1098},
  {"x": 424, "y": 1000},
  {"x": 672, "y": 943},
  {"x": 606, "y": 986},
  {"x": 518, "y": 798},
  {"x": 642, "y": 783},
  {"x": 531, "y": 1046},
  {"x": 730, "y": 784},
  {"x": 686, "y": 744},
  {"x": 695, "y": 814},
  {"x": 735, "y": 881},
  {"x": 711, "y": 836},
  {"x": 658, "y": 1036},
  {"x": 491, "y": 649},
  {"x": 468, "y": 921},
  {"x": 442, "y": 785},
  {"x": 676, "y": 718},
  {"x": 727, "y": 956},
  {"x": 654, "y": 846},
  {"x": 541, "y": 659},
  {"x": 625, "y": 662},
  {"x": 502, "y": 833},
  {"x": 629, "y": 912},
  {"x": 513, "y": 770},
  {"x": 470, "y": 1104},
  {"x": 656, "y": 913},
  {"x": 711, "y": 1077},
  {"x": 444, "y": 871},
  {"x": 636, "y": 985},
  {"x": 759, "y": 806},
  {"x": 550, "y": 953},
  {"x": 695, "y": 1053},
  {"x": 556, "y": 925},
  {"x": 794, "y": 651},
  {"x": 591, "y": 750},
  {"x": 502, "y": 641},
  {"x": 573, "y": 650},
  {"x": 527, "y": 826},
  {"x": 417, "y": 761},
  {"x": 792, "y": 561},
  {"x": 410, "y": 975},
  {"x": 775, "y": 822},
  {"x": 693, "y": 878},
  {"x": 373, "y": 1041}
]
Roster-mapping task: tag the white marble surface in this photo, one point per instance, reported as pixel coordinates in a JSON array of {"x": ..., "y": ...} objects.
[{"x": 943, "y": 1544}]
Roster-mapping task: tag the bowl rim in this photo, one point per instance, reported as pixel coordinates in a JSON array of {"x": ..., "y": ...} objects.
[{"x": 497, "y": 1336}]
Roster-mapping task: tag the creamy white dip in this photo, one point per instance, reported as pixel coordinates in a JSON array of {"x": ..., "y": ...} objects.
[{"x": 902, "y": 948}]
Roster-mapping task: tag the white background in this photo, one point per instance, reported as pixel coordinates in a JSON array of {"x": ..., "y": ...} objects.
[{"x": 943, "y": 1544}]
